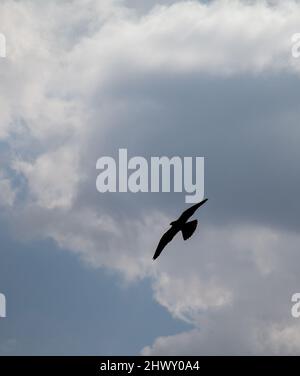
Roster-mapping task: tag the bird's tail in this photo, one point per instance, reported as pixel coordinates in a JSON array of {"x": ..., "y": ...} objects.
[{"x": 188, "y": 229}]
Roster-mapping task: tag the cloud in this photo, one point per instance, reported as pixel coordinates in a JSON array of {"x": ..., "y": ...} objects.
[
  {"x": 283, "y": 339},
  {"x": 247, "y": 310},
  {"x": 52, "y": 178},
  {"x": 188, "y": 78},
  {"x": 7, "y": 192},
  {"x": 277, "y": 339}
]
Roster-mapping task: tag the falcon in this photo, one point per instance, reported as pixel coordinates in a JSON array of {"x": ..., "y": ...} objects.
[{"x": 181, "y": 224}]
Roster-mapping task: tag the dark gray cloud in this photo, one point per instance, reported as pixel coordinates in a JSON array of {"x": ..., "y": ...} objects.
[{"x": 246, "y": 127}]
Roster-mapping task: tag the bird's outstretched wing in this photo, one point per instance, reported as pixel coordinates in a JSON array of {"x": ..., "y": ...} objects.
[
  {"x": 165, "y": 239},
  {"x": 190, "y": 211}
]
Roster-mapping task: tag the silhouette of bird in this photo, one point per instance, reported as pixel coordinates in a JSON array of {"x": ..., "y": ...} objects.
[{"x": 181, "y": 224}]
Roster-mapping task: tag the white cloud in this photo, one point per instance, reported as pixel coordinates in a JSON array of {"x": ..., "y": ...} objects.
[
  {"x": 187, "y": 296},
  {"x": 51, "y": 78},
  {"x": 252, "y": 314},
  {"x": 52, "y": 178},
  {"x": 7, "y": 192},
  {"x": 259, "y": 339},
  {"x": 283, "y": 339}
]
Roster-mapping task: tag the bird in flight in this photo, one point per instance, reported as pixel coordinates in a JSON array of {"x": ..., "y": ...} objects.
[{"x": 181, "y": 224}]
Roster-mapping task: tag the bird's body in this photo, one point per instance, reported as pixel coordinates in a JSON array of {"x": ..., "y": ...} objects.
[{"x": 181, "y": 224}]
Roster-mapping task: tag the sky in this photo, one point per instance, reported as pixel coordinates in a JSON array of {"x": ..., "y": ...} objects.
[{"x": 83, "y": 79}]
